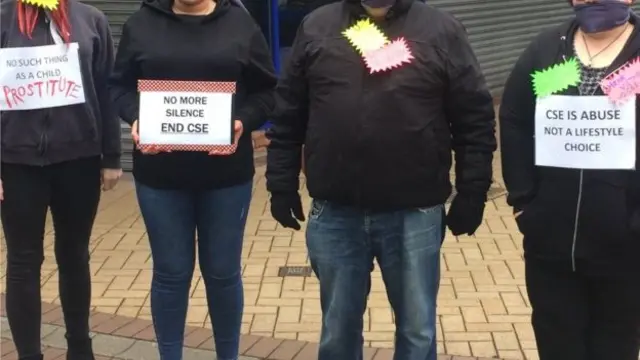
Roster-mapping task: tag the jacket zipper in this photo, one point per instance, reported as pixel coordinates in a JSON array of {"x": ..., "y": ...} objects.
[{"x": 576, "y": 223}]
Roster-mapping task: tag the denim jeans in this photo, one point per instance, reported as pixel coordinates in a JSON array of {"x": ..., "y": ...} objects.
[
  {"x": 343, "y": 242},
  {"x": 172, "y": 218}
]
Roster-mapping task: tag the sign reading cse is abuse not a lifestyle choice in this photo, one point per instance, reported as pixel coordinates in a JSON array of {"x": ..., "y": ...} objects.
[
  {"x": 585, "y": 132},
  {"x": 186, "y": 115}
]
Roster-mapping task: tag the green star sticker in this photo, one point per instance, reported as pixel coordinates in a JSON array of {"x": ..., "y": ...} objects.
[{"x": 556, "y": 78}]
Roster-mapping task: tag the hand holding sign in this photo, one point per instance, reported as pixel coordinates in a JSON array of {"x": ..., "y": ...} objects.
[
  {"x": 238, "y": 129},
  {"x": 147, "y": 150}
]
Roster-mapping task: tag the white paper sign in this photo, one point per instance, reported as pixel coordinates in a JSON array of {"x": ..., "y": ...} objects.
[
  {"x": 585, "y": 132},
  {"x": 185, "y": 118},
  {"x": 40, "y": 77}
]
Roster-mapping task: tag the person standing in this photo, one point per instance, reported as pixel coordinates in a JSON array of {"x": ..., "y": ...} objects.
[
  {"x": 377, "y": 153},
  {"x": 182, "y": 193},
  {"x": 60, "y": 144},
  {"x": 579, "y": 211}
]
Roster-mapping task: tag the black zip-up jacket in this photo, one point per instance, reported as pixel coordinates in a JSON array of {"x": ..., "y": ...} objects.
[
  {"x": 225, "y": 45},
  {"x": 48, "y": 136},
  {"x": 382, "y": 141},
  {"x": 580, "y": 217}
]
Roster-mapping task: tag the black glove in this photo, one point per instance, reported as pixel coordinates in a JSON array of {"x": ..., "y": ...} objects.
[
  {"x": 465, "y": 214},
  {"x": 286, "y": 208}
]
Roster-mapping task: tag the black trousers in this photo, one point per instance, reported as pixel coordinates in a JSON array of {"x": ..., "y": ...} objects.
[
  {"x": 579, "y": 316},
  {"x": 72, "y": 191}
]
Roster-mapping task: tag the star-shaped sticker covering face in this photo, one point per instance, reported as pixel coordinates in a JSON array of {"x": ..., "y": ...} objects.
[
  {"x": 44, "y": 4},
  {"x": 378, "y": 52}
]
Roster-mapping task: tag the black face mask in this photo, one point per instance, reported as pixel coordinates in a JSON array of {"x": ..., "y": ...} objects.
[
  {"x": 378, "y": 4},
  {"x": 602, "y": 16}
]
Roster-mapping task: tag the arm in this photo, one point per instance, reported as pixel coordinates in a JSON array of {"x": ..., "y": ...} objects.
[
  {"x": 261, "y": 80},
  {"x": 469, "y": 108},
  {"x": 289, "y": 127},
  {"x": 517, "y": 113},
  {"x": 124, "y": 79},
  {"x": 102, "y": 67}
]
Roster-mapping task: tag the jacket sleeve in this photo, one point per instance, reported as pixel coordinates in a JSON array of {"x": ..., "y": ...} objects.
[
  {"x": 288, "y": 131},
  {"x": 124, "y": 79},
  {"x": 471, "y": 116},
  {"x": 517, "y": 116},
  {"x": 261, "y": 80},
  {"x": 102, "y": 68}
]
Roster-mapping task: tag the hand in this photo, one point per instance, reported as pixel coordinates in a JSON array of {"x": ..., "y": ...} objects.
[
  {"x": 1, "y": 191},
  {"x": 286, "y": 208},
  {"x": 110, "y": 178},
  {"x": 260, "y": 139},
  {"x": 148, "y": 150},
  {"x": 465, "y": 214},
  {"x": 238, "y": 129}
]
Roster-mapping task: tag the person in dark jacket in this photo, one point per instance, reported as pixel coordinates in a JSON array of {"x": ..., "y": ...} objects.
[
  {"x": 377, "y": 153},
  {"x": 577, "y": 199},
  {"x": 182, "y": 193},
  {"x": 60, "y": 144}
]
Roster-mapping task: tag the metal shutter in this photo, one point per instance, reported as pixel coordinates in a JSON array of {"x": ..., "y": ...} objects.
[
  {"x": 118, "y": 11},
  {"x": 499, "y": 30}
]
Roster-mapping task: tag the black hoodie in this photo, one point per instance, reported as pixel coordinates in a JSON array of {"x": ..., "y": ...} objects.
[
  {"x": 581, "y": 217},
  {"x": 226, "y": 45},
  {"x": 42, "y": 137}
]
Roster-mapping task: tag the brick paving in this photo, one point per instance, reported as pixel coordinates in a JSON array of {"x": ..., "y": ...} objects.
[
  {"x": 483, "y": 308},
  {"x": 50, "y": 353},
  {"x": 126, "y": 338}
]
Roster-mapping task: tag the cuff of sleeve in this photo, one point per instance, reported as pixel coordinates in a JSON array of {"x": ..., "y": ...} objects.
[
  {"x": 111, "y": 162},
  {"x": 130, "y": 115},
  {"x": 473, "y": 196}
]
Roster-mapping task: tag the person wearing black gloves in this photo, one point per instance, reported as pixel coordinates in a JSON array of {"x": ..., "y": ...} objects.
[
  {"x": 184, "y": 193},
  {"x": 377, "y": 153},
  {"x": 579, "y": 211}
]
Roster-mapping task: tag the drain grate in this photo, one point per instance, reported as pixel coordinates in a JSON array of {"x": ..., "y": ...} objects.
[{"x": 297, "y": 271}]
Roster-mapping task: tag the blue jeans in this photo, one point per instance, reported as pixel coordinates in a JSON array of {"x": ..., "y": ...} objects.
[
  {"x": 343, "y": 242},
  {"x": 172, "y": 218}
]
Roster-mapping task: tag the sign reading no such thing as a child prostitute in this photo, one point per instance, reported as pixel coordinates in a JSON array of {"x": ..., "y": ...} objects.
[
  {"x": 40, "y": 77},
  {"x": 585, "y": 132},
  {"x": 186, "y": 115}
]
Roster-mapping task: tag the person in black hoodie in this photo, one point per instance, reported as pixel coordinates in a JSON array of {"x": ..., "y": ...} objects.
[
  {"x": 57, "y": 152},
  {"x": 184, "y": 192},
  {"x": 581, "y": 223},
  {"x": 377, "y": 156}
]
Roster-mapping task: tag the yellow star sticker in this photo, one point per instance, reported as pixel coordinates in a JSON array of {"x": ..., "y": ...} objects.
[
  {"x": 365, "y": 36},
  {"x": 45, "y": 4}
]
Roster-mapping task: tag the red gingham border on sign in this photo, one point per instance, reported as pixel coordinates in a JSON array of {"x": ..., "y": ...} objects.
[
  {"x": 219, "y": 149},
  {"x": 189, "y": 86}
]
